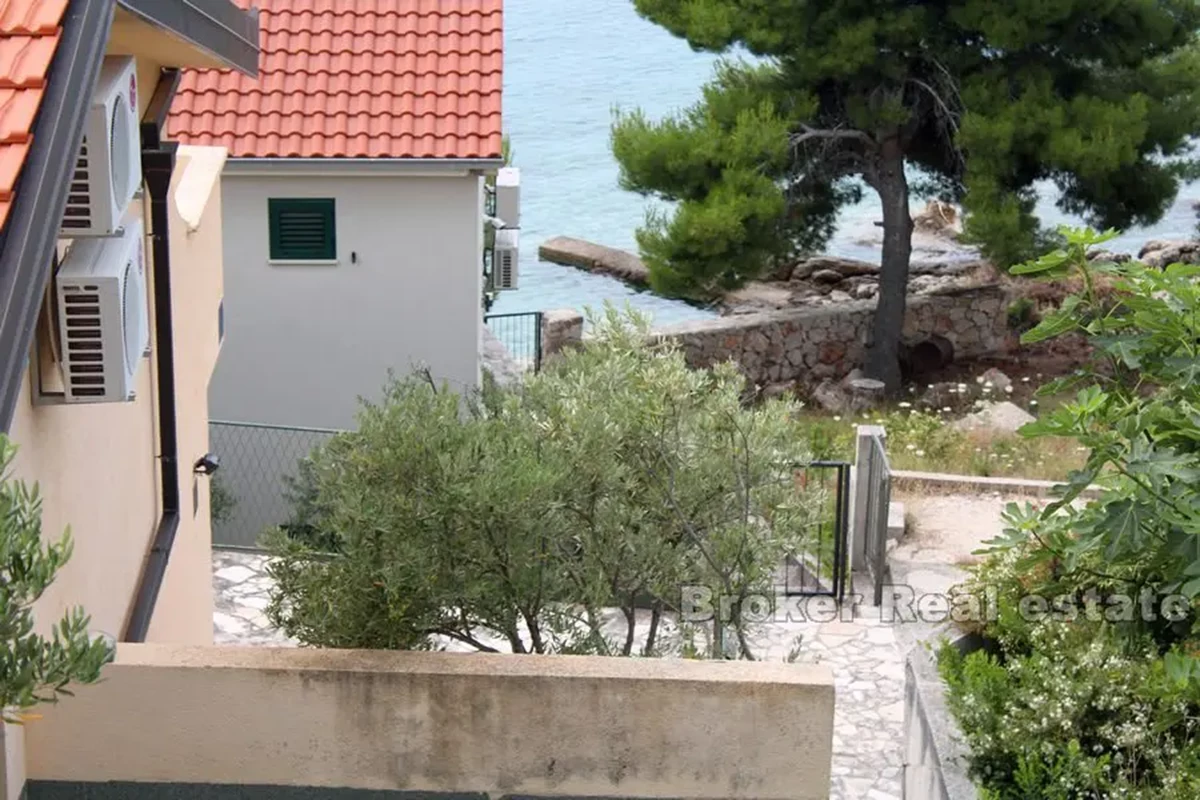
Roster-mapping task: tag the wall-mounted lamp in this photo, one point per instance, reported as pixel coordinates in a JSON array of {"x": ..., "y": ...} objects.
[{"x": 207, "y": 465}]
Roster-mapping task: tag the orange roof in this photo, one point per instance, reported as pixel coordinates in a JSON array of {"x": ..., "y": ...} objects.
[
  {"x": 29, "y": 34},
  {"x": 368, "y": 78}
]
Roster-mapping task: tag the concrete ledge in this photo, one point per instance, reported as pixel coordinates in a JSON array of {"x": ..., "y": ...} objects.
[
  {"x": 942, "y": 482},
  {"x": 593, "y": 257},
  {"x": 133, "y": 790},
  {"x": 446, "y": 723},
  {"x": 935, "y": 756}
]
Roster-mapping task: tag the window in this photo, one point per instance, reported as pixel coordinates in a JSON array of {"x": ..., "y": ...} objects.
[{"x": 302, "y": 229}]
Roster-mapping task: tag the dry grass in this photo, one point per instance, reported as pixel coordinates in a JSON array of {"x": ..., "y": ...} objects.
[{"x": 926, "y": 442}]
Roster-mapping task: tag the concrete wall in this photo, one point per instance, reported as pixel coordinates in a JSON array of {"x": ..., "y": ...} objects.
[
  {"x": 935, "y": 757},
  {"x": 441, "y": 722},
  {"x": 303, "y": 341},
  {"x": 812, "y": 344}
]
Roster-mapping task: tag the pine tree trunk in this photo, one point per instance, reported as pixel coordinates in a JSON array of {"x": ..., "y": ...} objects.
[{"x": 883, "y": 358}]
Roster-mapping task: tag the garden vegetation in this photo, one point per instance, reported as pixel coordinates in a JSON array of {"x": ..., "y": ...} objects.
[{"x": 1097, "y": 699}]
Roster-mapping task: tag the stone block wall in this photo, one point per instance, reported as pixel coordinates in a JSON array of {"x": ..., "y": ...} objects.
[
  {"x": 815, "y": 343},
  {"x": 561, "y": 328}
]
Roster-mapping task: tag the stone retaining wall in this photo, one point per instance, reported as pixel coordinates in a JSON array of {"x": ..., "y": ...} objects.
[
  {"x": 812, "y": 344},
  {"x": 561, "y": 328}
]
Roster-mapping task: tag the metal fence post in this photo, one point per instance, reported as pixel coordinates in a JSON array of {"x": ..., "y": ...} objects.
[{"x": 860, "y": 493}]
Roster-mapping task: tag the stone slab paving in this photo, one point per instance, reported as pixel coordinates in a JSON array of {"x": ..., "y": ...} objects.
[
  {"x": 863, "y": 651},
  {"x": 240, "y": 592}
]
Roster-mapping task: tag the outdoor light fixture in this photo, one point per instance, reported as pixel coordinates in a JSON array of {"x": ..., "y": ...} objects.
[{"x": 207, "y": 465}]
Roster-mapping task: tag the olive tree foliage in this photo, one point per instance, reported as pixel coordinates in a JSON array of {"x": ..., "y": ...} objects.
[
  {"x": 611, "y": 480},
  {"x": 980, "y": 99},
  {"x": 34, "y": 668}
]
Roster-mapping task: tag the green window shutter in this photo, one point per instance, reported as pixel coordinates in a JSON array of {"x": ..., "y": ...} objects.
[{"x": 302, "y": 229}]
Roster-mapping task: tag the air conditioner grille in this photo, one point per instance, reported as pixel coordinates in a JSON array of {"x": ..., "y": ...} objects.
[
  {"x": 506, "y": 268},
  {"x": 82, "y": 335},
  {"x": 78, "y": 213}
]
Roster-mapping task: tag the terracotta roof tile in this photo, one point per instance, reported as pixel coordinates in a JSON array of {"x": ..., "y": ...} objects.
[
  {"x": 18, "y": 107},
  {"x": 36, "y": 17},
  {"x": 373, "y": 78},
  {"x": 12, "y": 158},
  {"x": 29, "y": 34},
  {"x": 25, "y": 60}
]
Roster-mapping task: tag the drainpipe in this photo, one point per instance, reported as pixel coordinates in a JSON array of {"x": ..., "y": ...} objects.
[{"x": 158, "y": 163}]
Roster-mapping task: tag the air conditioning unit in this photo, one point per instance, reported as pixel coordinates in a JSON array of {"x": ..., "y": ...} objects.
[
  {"x": 109, "y": 171},
  {"x": 505, "y": 254},
  {"x": 508, "y": 196},
  {"x": 103, "y": 319}
]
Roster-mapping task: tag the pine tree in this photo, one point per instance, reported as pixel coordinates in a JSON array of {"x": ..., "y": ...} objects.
[{"x": 983, "y": 97}]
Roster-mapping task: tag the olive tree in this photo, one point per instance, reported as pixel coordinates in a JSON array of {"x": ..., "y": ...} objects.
[
  {"x": 34, "y": 668},
  {"x": 543, "y": 518}
]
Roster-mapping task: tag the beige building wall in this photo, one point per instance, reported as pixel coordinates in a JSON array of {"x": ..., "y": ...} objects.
[
  {"x": 97, "y": 465},
  {"x": 97, "y": 469},
  {"x": 565, "y": 726}
]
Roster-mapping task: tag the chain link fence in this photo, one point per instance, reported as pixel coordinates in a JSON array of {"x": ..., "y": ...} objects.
[{"x": 250, "y": 490}]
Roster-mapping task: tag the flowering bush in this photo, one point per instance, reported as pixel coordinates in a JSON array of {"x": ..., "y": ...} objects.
[
  {"x": 1084, "y": 714},
  {"x": 1101, "y": 697}
]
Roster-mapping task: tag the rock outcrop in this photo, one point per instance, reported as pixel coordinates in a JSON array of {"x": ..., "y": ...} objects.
[
  {"x": 1002, "y": 417},
  {"x": 1159, "y": 253},
  {"x": 938, "y": 219}
]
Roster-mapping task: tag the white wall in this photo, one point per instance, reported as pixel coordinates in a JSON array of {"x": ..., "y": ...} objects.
[{"x": 303, "y": 342}]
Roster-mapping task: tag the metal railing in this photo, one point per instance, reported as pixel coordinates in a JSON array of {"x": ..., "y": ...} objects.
[
  {"x": 821, "y": 567},
  {"x": 253, "y": 490},
  {"x": 521, "y": 337},
  {"x": 878, "y": 476}
]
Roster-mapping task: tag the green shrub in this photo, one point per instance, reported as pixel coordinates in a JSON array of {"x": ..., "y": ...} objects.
[
  {"x": 1084, "y": 714},
  {"x": 1022, "y": 314},
  {"x": 614, "y": 476},
  {"x": 222, "y": 502},
  {"x": 1099, "y": 700},
  {"x": 35, "y": 668}
]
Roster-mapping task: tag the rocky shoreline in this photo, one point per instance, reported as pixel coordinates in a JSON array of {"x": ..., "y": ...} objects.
[{"x": 830, "y": 280}]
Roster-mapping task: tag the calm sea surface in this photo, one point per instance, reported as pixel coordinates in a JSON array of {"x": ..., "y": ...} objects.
[{"x": 568, "y": 64}]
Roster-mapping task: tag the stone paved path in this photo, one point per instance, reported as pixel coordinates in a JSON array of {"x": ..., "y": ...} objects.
[{"x": 866, "y": 660}]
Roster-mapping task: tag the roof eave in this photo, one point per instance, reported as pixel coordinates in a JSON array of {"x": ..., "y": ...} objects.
[
  {"x": 218, "y": 27},
  {"x": 361, "y": 166}
]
